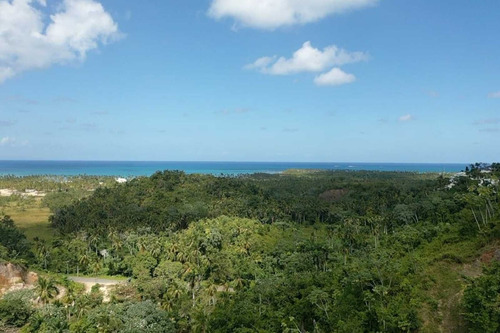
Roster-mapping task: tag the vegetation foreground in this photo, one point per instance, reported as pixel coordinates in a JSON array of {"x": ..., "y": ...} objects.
[{"x": 295, "y": 252}]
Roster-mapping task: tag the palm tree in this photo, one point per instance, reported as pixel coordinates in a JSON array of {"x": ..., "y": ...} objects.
[
  {"x": 42, "y": 252},
  {"x": 46, "y": 289},
  {"x": 70, "y": 297},
  {"x": 173, "y": 294},
  {"x": 212, "y": 292},
  {"x": 142, "y": 244},
  {"x": 199, "y": 320},
  {"x": 182, "y": 256},
  {"x": 116, "y": 240},
  {"x": 154, "y": 247},
  {"x": 175, "y": 291},
  {"x": 96, "y": 266},
  {"x": 238, "y": 283},
  {"x": 93, "y": 241},
  {"x": 83, "y": 260},
  {"x": 172, "y": 250}
]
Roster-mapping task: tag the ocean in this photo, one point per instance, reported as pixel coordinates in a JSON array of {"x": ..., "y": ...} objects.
[{"x": 128, "y": 169}]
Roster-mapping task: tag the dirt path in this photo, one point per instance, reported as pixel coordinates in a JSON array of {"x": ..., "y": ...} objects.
[
  {"x": 94, "y": 281},
  {"x": 105, "y": 284}
]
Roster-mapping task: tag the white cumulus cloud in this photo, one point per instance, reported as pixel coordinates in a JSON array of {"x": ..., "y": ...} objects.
[
  {"x": 495, "y": 94},
  {"x": 406, "y": 117},
  {"x": 271, "y": 14},
  {"x": 6, "y": 141},
  {"x": 12, "y": 142},
  {"x": 335, "y": 77},
  {"x": 27, "y": 42},
  {"x": 261, "y": 63},
  {"x": 307, "y": 59}
]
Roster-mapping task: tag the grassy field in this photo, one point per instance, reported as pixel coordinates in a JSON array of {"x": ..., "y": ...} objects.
[
  {"x": 31, "y": 213},
  {"x": 30, "y": 218},
  {"x": 451, "y": 264}
]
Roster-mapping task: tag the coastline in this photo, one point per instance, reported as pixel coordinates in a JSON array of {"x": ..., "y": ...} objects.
[{"x": 145, "y": 168}]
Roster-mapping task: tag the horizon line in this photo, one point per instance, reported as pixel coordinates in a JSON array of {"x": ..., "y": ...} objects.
[{"x": 226, "y": 161}]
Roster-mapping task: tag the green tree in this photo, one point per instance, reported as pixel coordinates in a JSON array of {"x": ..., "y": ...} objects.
[
  {"x": 46, "y": 289},
  {"x": 482, "y": 301}
]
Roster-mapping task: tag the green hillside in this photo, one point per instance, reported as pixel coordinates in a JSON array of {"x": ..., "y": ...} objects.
[{"x": 293, "y": 252}]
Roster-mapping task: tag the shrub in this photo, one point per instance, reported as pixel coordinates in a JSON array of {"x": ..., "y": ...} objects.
[
  {"x": 15, "y": 312},
  {"x": 482, "y": 302}
]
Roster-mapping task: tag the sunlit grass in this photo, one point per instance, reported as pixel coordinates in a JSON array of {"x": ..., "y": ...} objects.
[
  {"x": 31, "y": 218},
  {"x": 452, "y": 260}
]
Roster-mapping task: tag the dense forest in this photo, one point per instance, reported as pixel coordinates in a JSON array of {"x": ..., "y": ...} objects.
[{"x": 301, "y": 251}]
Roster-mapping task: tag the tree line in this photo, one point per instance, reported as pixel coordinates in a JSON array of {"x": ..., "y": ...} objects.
[{"x": 310, "y": 252}]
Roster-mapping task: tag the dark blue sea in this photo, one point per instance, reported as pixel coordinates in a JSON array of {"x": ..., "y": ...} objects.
[{"x": 126, "y": 169}]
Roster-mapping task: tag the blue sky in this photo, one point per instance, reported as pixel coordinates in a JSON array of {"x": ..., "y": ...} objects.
[{"x": 370, "y": 81}]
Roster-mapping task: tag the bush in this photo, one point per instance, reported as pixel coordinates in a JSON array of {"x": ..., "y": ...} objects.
[
  {"x": 48, "y": 319},
  {"x": 482, "y": 302},
  {"x": 13, "y": 242},
  {"x": 15, "y": 312}
]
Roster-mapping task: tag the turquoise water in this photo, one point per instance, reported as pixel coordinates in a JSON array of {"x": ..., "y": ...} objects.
[{"x": 103, "y": 168}]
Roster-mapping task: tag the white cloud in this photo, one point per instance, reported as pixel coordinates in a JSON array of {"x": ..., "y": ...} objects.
[
  {"x": 406, "y": 117},
  {"x": 307, "y": 59},
  {"x": 7, "y": 141},
  {"x": 260, "y": 63},
  {"x": 271, "y": 14},
  {"x": 494, "y": 94},
  {"x": 6, "y": 73},
  {"x": 335, "y": 77},
  {"x": 26, "y": 42}
]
